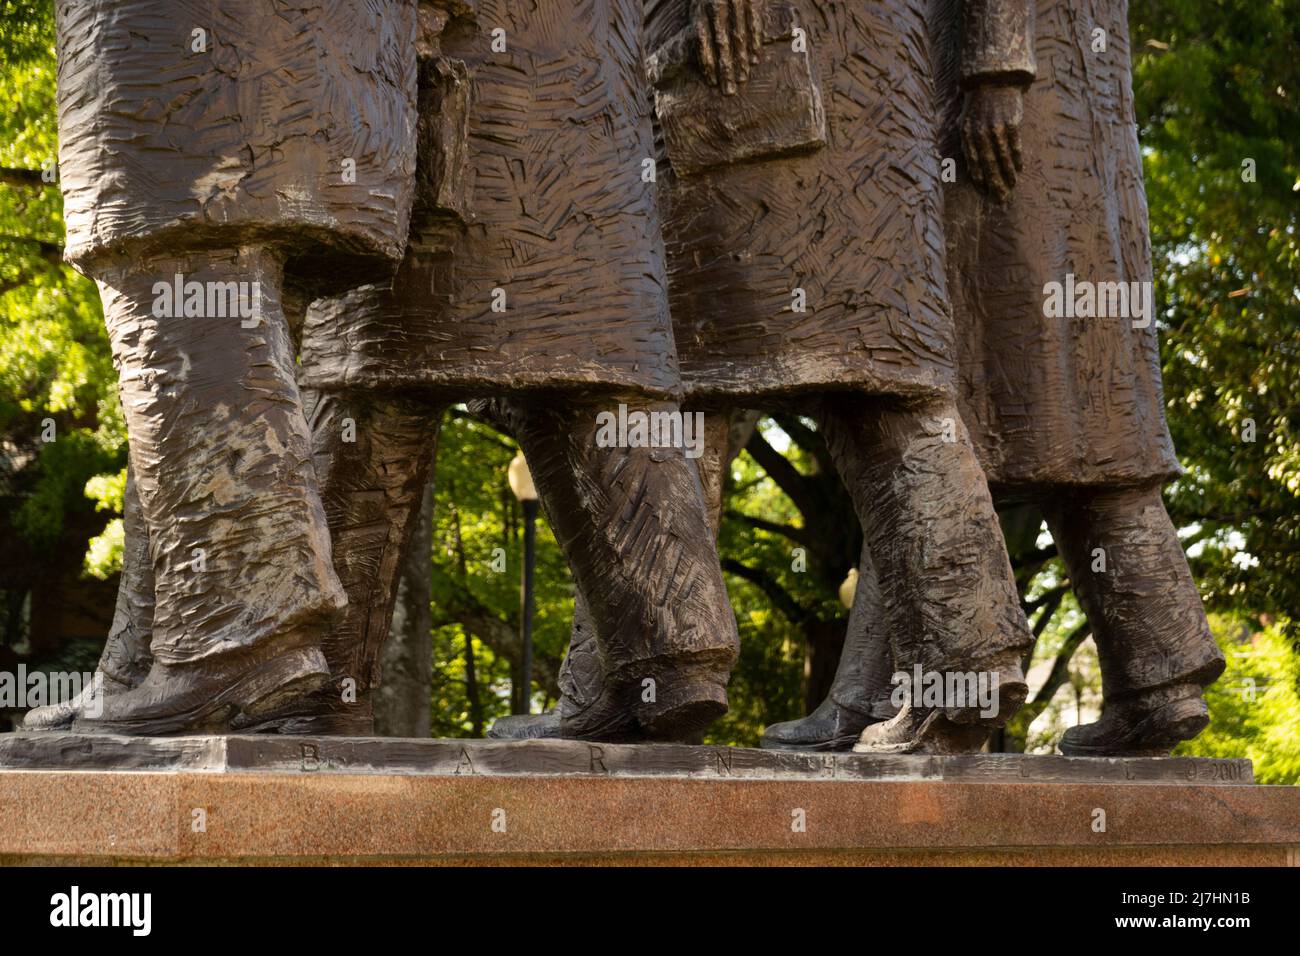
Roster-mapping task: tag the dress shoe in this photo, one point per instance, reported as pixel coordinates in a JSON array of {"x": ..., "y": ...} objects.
[
  {"x": 205, "y": 695},
  {"x": 1150, "y": 723},
  {"x": 829, "y": 727}
]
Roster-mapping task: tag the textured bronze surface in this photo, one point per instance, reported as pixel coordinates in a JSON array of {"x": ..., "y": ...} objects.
[
  {"x": 259, "y": 154},
  {"x": 560, "y": 231},
  {"x": 856, "y": 224},
  {"x": 270, "y": 753},
  {"x": 1065, "y": 412},
  {"x": 552, "y": 211},
  {"x": 1056, "y": 400},
  {"x": 796, "y": 149},
  {"x": 168, "y": 146}
]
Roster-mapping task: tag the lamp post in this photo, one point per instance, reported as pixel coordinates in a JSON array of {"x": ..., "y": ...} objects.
[{"x": 521, "y": 483}]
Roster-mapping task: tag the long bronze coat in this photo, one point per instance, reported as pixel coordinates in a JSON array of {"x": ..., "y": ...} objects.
[
  {"x": 213, "y": 124},
  {"x": 536, "y": 260},
  {"x": 817, "y": 185},
  {"x": 1052, "y": 401}
]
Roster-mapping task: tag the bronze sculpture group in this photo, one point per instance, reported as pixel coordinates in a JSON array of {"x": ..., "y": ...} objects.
[{"x": 562, "y": 209}]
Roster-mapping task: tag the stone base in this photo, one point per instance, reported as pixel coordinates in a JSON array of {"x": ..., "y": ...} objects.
[{"x": 267, "y": 799}]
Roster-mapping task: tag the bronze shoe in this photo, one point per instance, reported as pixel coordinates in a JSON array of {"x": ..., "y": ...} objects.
[
  {"x": 526, "y": 727},
  {"x": 829, "y": 727},
  {"x": 204, "y": 696},
  {"x": 923, "y": 730},
  {"x": 1150, "y": 723}
]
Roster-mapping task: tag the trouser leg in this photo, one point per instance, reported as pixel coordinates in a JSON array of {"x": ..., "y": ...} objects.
[
  {"x": 948, "y": 596},
  {"x": 126, "y": 657},
  {"x": 582, "y": 676},
  {"x": 221, "y": 455},
  {"x": 860, "y": 691},
  {"x": 1131, "y": 576},
  {"x": 373, "y": 454},
  {"x": 861, "y": 681},
  {"x": 1130, "y": 572},
  {"x": 1153, "y": 642},
  {"x": 634, "y": 525}
]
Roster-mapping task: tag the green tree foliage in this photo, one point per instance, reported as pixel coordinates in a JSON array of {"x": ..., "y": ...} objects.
[
  {"x": 1217, "y": 88},
  {"x": 60, "y": 425},
  {"x": 1255, "y": 704},
  {"x": 476, "y": 567}
]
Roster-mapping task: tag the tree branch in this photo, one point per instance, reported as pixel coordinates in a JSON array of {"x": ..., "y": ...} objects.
[
  {"x": 808, "y": 439},
  {"x": 779, "y": 469},
  {"x": 781, "y": 599},
  {"x": 1060, "y": 669},
  {"x": 27, "y": 178},
  {"x": 797, "y": 535}
]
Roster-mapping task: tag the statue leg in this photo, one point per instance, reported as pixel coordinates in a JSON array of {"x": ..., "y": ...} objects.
[
  {"x": 221, "y": 453},
  {"x": 1156, "y": 651},
  {"x": 582, "y": 674},
  {"x": 949, "y": 599},
  {"x": 373, "y": 454},
  {"x": 126, "y": 657},
  {"x": 634, "y": 525},
  {"x": 861, "y": 689}
]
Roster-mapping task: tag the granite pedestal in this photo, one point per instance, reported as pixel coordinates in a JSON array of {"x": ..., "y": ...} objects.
[{"x": 267, "y": 799}]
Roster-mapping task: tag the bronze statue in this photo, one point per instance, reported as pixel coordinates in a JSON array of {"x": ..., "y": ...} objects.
[
  {"x": 802, "y": 223},
  {"x": 535, "y": 273},
  {"x": 534, "y": 263},
  {"x": 206, "y": 201},
  {"x": 799, "y": 179},
  {"x": 1066, "y": 411}
]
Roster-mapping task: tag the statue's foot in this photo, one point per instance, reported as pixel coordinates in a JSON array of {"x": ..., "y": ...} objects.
[
  {"x": 953, "y": 728},
  {"x": 205, "y": 696},
  {"x": 526, "y": 727},
  {"x": 1146, "y": 724},
  {"x": 61, "y": 716},
  {"x": 680, "y": 712},
  {"x": 829, "y": 727},
  {"x": 922, "y": 730}
]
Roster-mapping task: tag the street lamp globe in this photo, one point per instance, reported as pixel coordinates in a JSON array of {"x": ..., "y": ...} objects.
[
  {"x": 849, "y": 587},
  {"x": 521, "y": 481}
]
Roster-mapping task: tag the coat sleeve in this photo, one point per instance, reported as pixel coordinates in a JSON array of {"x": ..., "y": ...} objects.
[{"x": 998, "y": 42}]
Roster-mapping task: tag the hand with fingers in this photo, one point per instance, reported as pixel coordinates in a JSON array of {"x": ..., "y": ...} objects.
[
  {"x": 990, "y": 136},
  {"x": 730, "y": 35}
]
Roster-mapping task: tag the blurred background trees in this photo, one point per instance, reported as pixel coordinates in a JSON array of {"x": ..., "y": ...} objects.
[{"x": 1217, "y": 84}]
